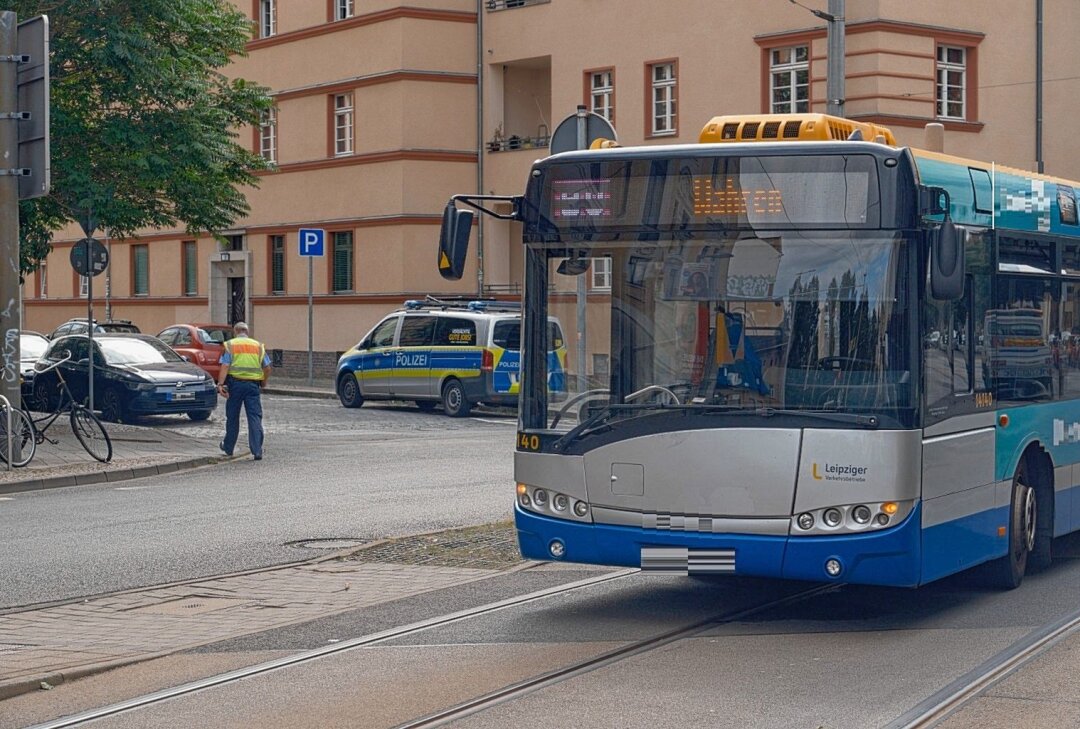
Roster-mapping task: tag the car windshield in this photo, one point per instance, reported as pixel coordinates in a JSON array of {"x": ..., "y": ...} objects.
[
  {"x": 32, "y": 347},
  {"x": 213, "y": 336},
  {"x": 136, "y": 352}
]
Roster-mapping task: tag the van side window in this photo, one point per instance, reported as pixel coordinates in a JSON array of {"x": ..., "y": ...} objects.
[
  {"x": 507, "y": 334},
  {"x": 383, "y": 336},
  {"x": 416, "y": 331},
  {"x": 452, "y": 332}
]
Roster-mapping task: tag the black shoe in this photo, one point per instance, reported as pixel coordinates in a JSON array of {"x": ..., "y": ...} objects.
[
  {"x": 257, "y": 458},
  {"x": 221, "y": 446}
]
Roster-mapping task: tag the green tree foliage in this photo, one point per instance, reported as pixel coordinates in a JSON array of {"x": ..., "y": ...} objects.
[{"x": 144, "y": 122}]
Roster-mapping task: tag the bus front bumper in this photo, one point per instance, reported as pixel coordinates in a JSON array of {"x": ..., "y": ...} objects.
[{"x": 890, "y": 556}]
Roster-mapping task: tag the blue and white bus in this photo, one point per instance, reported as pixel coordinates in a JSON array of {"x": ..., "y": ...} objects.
[{"x": 801, "y": 367}]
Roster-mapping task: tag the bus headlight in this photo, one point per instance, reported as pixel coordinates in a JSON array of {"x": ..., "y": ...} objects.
[
  {"x": 552, "y": 503},
  {"x": 581, "y": 508},
  {"x": 560, "y": 502},
  {"x": 850, "y": 518},
  {"x": 540, "y": 497}
]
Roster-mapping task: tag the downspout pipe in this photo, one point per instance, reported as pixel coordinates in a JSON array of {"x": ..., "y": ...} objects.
[
  {"x": 480, "y": 142},
  {"x": 1039, "y": 162}
]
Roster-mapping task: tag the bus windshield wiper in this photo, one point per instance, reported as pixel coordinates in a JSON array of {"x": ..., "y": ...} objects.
[
  {"x": 864, "y": 421},
  {"x": 595, "y": 421}
]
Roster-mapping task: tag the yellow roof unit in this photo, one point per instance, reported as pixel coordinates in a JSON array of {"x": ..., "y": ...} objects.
[{"x": 790, "y": 128}]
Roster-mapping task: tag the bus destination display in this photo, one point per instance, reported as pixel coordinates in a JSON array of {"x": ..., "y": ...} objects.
[{"x": 728, "y": 191}]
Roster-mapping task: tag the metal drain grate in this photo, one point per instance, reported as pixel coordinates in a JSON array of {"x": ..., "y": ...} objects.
[{"x": 191, "y": 605}]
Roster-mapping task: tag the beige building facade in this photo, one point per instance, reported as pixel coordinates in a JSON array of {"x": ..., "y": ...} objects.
[{"x": 384, "y": 110}]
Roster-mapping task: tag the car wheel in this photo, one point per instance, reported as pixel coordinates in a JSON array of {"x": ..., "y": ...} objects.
[
  {"x": 426, "y": 405},
  {"x": 455, "y": 404},
  {"x": 199, "y": 415},
  {"x": 348, "y": 390},
  {"x": 112, "y": 406}
]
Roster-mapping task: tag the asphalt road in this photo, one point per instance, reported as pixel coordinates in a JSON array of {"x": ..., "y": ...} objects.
[{"x": 328, "y": 473}]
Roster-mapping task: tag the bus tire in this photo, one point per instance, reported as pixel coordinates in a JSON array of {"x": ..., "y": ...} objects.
[
  {"x": 1008, "y": 571},
  {"x": 455, "y": 404},
  {"x": 348, "y": 390},
  {"x": 1042, "y": 554}
]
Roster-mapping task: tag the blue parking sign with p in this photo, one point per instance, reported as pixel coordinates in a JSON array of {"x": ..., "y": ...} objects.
[{"x": 312, "y": 242}]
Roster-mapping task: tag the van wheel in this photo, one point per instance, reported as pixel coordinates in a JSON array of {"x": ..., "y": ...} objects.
[
  {"x": 348, "y": 390},
  {"x": 426, "y": 405},
  {"x": 1023, "y": 522},
  {"x": 454, "y": 401}
]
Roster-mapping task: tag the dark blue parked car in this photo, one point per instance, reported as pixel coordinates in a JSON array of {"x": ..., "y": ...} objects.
[{"x": 134, "y": 374}]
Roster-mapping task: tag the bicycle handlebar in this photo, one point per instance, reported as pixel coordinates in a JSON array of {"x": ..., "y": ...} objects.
[{"x": 56, "y": 364}]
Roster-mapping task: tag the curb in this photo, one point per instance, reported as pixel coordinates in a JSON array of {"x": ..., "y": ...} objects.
[
  {"x": 120, "y": 474},
  {"x": 318, "y": 394}
]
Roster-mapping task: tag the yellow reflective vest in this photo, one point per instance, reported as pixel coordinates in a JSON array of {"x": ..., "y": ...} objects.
[{"x": 247, "y": 356}]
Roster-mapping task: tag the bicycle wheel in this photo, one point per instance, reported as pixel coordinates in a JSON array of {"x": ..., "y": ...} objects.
[
  {"x": 24, "y": 442},
  {"x": 91, "y": 433}
]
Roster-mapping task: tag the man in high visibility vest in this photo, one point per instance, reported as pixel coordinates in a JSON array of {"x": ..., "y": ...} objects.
[{"x": 244, "y": 369}]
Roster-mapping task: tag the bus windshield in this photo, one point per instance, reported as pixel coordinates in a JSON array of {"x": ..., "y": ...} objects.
[{"x": 807, "y": 321}]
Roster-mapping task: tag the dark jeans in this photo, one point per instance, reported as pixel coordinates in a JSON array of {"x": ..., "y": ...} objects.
[{"x": 246, "y": 393}]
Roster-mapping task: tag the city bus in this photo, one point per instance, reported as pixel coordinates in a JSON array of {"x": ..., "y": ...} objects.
[{"x": 792, "y": 372}]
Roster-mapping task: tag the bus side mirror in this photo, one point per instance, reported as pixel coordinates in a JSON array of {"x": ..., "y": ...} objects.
[
  {"x": 947, "y": 262},
  {"x": 454, "y": 241}
]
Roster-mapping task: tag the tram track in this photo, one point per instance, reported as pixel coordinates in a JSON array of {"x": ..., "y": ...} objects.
[
  {"x": 957, "y": 694},
  {"x": 467, "y": 707}
]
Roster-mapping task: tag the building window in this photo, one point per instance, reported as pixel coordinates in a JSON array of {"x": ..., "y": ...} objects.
[
  {"x": 601, "y": 274},
  {"x": 790, "y": 79},
  {"x": 140, "y": 270},
  {"x": 342, "y": 275},
  {"x": 84, "y": 287},
  {"x": 43, "y": 282},
  {"x": 268, "y": 135},
  {"x": 601, "y": 93},
  {"x": 951, "y": 82},
  {"x": 663, "y": 88},
  {"x": 191, "y": 268},
  {"x": 267, "y": 18},
  {"x": 277, "y": 264},
  {"x": 343, "y": 124},
  {"x": 343, "y": 9}
]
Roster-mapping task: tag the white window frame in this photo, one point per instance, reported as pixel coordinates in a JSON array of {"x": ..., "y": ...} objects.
[
  {"x": 662, "y": 107},
  {"x": 600, "y": 271},
  {"x": 942, "y": 86},
  {"x": 343, "y": 9},
  {"x": 343, "y": 124},
  {"x": 84, "y": 287},
  {"x": 267, "y": 18},
  {"x": 268, "y": 135},
  {"x": 602, "y": 94},
  {"x": 784, "y": 66},
  {"x": 43, "y": 281}
]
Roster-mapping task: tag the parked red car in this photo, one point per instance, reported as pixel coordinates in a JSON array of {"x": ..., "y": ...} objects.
[{"x": 200, "y": 344}]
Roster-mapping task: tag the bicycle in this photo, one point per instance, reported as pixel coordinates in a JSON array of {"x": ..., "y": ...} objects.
[
  {"x": 88, "y": 429},
  {"x": 24, "y": 441}
]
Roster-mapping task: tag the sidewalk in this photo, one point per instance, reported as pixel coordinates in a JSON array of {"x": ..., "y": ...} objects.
[
  {"x": 319, "y": 388},
  {"x": 137, "y": 452}
]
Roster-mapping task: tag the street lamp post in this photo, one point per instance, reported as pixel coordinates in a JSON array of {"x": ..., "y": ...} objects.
[{"x": 834, "y": 88}]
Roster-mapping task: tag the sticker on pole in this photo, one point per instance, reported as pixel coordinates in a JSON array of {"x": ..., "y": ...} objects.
[{"x": 89, "y": 257}]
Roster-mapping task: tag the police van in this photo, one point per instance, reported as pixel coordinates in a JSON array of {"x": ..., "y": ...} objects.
[{"x": 458, "y": 353}]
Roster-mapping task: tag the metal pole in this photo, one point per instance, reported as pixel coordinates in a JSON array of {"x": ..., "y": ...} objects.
[
  {"x": 10, "y": 311},
  {"x": 89, "y": 326},
  {"x": 582, "y": 291},
  {"x": 835, "y": 80},
  {"x": 310, "y": 323},
  {"x": 10, "y": 437},
  {"x": 108, "y": 277},
  {"x": 1039, "y": 85},
  {"x": 480, "y": 142}
]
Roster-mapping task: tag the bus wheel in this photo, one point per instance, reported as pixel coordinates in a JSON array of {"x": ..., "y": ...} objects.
[
  {"x": 1042, "y": 553},
  {"x": 455, "y": 404},
  {"x": 1023, "y": 521},
  {"x": 348, "y": 390}
]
